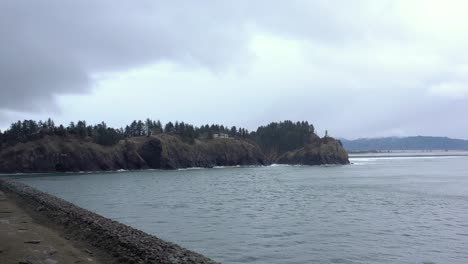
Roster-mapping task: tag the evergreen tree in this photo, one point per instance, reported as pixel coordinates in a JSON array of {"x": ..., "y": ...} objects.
[
  {"x": 159, "y": 127},
  {"x": 71, "y": 128},
  {"x": 148, "y": 127},
  {"x": 176, "y": 127},
  {"x": 233, "y": 131},
  {"x": 50, "y": 124},
  {"x": 282, "y": 136},
  {"x": 81, "y": 129},
  {"x": 169, "y": 128},
  {"x": 140, "y": 128},
  {"x": 127, "y": 132},
  {"x": 89, "y": 131},
  {"x": 61, "y": 131}
]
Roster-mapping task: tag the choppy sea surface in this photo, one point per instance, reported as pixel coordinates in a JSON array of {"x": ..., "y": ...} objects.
[{"x": 378, "y": 210}]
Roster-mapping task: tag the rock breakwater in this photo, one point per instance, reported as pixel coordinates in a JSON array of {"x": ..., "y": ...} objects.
[{"x": 124, "y": 243}]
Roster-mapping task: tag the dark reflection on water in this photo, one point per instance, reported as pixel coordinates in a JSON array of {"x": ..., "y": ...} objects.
[{"x": 384, "y": 210}]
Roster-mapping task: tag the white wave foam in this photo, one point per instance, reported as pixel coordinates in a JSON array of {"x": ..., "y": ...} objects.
[
  {"x": 226, "y": 167},
  {"x": 191, "y": 168},
  {"x": 285, "y": 165}
]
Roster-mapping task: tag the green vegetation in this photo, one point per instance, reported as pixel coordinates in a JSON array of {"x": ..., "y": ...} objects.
[
  {"x": 30, "y": 146},
  {"x": 277, "y": 137},
  {"x": 283, "y": 136},
  {"x": 30, "y": 130}
]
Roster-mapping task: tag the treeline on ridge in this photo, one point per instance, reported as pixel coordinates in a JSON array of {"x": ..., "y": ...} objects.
[{"x": 276, "y": 136}]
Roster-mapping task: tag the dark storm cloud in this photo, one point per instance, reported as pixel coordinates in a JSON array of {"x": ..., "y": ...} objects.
[{"x": 55, "y": 47}]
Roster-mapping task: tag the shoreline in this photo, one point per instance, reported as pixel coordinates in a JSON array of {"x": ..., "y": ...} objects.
[
  {"x": 116, "y": 242},
  {"x": 6, "y": 175},
  {"x": 386, "y": 155}
]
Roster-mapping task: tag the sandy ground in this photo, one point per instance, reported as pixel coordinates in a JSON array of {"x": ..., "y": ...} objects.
[{"x": 23, "y": 240}]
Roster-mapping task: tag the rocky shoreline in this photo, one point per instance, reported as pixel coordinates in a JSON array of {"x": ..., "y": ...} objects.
[
  {"x": 73, "y": 154},
  {"x": 122, "y": 243}
]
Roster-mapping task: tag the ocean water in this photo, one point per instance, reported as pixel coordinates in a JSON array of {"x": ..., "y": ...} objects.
[{"x": 378, "y": 210}]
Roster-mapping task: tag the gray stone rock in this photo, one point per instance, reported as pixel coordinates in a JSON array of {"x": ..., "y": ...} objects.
[{"x": 126, "y": 244}]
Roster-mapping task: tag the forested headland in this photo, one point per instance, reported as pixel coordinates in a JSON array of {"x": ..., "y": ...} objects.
[
  {"x": 25, "y": 145},
  {"x": 282, "y": 136}
]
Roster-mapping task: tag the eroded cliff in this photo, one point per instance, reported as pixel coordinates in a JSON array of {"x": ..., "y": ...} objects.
[
  {"x": 54, "y": 154},
  {"x": 59, "y": 154}
]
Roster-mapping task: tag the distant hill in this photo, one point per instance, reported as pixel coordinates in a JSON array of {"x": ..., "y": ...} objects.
[{"x": 405, "y": 143}]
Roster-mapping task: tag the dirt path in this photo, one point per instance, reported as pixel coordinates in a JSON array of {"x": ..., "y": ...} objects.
[{"x": 22, "y": 240}]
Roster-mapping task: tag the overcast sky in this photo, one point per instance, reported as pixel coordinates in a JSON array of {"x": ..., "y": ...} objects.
[{"x": 356, "y": 68}]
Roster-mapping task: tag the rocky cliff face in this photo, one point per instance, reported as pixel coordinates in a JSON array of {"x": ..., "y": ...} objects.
[
  {"x": 169, "y": 152},
  {"x": 52, "y": 154},
  {"x": 321, "y": 151},
  {"x": 58, "y": 154}
]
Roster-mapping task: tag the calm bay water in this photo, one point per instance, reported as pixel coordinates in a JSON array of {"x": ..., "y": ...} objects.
[{"x": 379, "y": 210}]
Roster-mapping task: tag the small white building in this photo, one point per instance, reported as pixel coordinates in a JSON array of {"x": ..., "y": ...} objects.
[{"x": 220, "y": 135}]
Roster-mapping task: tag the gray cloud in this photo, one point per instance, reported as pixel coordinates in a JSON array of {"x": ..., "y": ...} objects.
[
  {"x": 55, "y": 47},
  {"x": 360, "y": 68}
]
